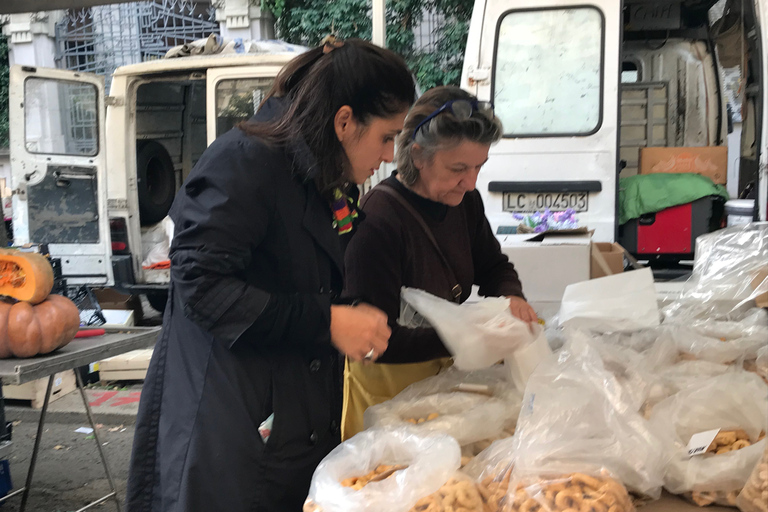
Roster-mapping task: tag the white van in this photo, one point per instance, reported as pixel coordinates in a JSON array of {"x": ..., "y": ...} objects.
[
  {"x": 92, "y": 174},
  {"x": 581, "y": 86}
]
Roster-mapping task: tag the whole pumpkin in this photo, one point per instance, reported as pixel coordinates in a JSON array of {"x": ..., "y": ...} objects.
[
  {"x": 25, "y": 276},
  {"x": 27, "y": 330}
]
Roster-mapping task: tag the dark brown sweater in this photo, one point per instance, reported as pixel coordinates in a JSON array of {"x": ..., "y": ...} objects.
[{"x": 390, "y": 250}]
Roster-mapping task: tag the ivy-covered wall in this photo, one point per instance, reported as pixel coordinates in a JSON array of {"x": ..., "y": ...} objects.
[{"x": 308, "y": 21}]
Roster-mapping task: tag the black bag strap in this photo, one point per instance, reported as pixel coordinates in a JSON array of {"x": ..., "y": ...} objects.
[{"x": 389, "y": 190}]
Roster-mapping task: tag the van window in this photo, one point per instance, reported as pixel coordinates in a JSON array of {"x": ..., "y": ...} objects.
[
  {"x": 547, "y": 76},
  {"x": 60, "y": 117},
  {"x": 237, "y": 100}
]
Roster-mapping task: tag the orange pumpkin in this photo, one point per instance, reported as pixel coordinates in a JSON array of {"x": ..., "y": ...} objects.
[
  {"x": 27, "y": 330},
  {"x": 25, "y": 276}
]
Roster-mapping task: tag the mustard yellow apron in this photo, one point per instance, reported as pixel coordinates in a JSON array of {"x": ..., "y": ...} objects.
[{"x": 371, "y": 384}]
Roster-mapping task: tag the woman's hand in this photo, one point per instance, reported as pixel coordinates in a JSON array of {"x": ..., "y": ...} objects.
[
  {"x": 520, "y": 308},
  {"x": 358, "y": 330}
]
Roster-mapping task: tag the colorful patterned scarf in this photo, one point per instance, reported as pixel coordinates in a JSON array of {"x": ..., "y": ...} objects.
[{"x": 344, "y": 212}]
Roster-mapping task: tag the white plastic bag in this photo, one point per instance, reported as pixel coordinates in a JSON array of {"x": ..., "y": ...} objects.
[
  {"x": 521, "y": 363},
  {"x": 156, "y": 242},
  {"x": 576, "y": 418},
  {"x": 467, "y": 417},
  {"x": 622, "y": 302},
  {"x": 478, "y": 334},
  {"x": 431, "y": 459},
  {"x": 734, "y": 400}
]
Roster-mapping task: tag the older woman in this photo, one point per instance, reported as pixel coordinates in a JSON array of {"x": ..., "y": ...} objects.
[{"x": 425, "y": 228}]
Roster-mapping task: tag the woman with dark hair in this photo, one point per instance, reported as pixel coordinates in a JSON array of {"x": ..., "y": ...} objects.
[
  {"x": 425, "y": 227},
  {"x": 243, "y": 395}
]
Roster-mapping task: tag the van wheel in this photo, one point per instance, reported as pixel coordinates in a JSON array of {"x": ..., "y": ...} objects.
[
  {"x": 156, "y": 182},
  {"x": 158, "y": 300}
]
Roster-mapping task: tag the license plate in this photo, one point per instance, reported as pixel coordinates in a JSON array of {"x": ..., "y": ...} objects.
[{"x": 529, "y": 202}]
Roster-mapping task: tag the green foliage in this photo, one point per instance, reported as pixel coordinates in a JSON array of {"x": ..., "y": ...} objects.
[
  {"x": 4, "y": 77},
  {"x": 308, "y": 21}
]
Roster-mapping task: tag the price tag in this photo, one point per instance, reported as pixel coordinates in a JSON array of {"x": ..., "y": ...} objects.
[{"x": 701, "y": 441}]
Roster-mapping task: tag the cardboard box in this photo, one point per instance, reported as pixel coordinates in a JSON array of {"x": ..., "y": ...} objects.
[
  {"x": 607, "y": 259},
  {"x": 109, "y": 298},
  {"x": 547, "y": 263},
  {"x": 709, "y": 161},
  {"x": 34, "y": 391},
  {"x": 129, "y": 366},
  {"x": 761, "y": 280}
]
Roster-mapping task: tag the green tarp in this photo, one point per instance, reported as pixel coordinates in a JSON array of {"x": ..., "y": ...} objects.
[{"x": 649, "y": 193}]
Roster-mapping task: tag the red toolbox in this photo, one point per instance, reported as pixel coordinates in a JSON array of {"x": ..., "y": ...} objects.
[{"x": 671, "y": 234}]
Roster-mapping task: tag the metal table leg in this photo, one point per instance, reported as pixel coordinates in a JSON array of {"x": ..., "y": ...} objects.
[
  {"x": 33, "y": 461},
  {"x": 113, "y": 494}
]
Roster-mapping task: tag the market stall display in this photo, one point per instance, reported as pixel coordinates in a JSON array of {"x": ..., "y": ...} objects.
[{"x": 606, "y": 422}]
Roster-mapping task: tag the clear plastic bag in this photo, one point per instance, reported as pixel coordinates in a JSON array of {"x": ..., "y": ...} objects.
[
  {"x": 467, "y": 417},
  {"x": 635, "y": 371},
  {"x": 430, "y": 460},
  {"x": 761, "y": 363},
  {"x": 672, "y": 379},
  {"x": 576, "y": 419},
  {"x": 488, "y": 381},
  {"x": 722, "y": 341},
  {"x": 494, "y": 462},
  {"x": 726, "y": 274},
  {"x": 754, "y": 496},
  {"x": 479, "y": 334},
  {"x": 734, "y": 401},
  {"x": 505, "y": 490}
]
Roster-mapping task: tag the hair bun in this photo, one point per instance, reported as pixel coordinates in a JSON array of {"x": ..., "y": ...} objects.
[{"x": 330, "y": 43}]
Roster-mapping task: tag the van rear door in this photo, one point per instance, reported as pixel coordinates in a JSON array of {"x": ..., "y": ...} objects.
[
  {"x": 551, "y": 68},
  {"x": 58, "y": 172}
]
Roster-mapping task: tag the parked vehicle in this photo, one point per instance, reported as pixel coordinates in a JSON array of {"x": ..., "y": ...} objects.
[
  {"x": 581, "y": 87},
  {"x": 94, "y": 175}
]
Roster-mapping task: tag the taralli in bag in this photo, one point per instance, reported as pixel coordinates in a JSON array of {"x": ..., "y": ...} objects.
[
  {"x": 382, "y": 472},
  {"x": 754, "y": 496},
  {"x": 494, "y": 489},
  {"x": 575, "y": 492},
  {"x": 730, "y": 440},
  {"x": 457, "y": 495},
  {"x": 736, "y": 403},
  {"x": 705, "y": 498},
  {"x": 416, "y": 421}
]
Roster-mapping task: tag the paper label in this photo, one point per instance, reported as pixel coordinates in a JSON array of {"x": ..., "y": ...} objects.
[{"x": 701, "y": 441}]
